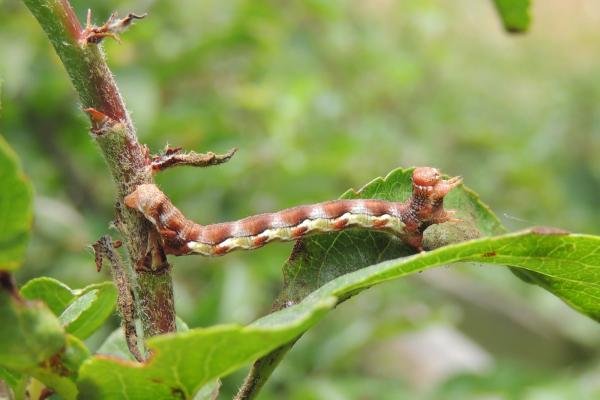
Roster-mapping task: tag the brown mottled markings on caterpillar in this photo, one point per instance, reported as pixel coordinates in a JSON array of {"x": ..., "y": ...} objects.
[
  {"x": 406, "y": 219},
  {"x": 220, "y": 250},
  {"x": 340, "y": 223},
  {"x": 260, "y": 240},
  {"x": 293, "y": 216},
  {"x": 298, "y": 231},
  {"x": 379, "y": 224}
]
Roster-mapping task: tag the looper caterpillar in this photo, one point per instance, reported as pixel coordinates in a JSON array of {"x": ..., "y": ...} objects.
[{"x": 407, "y": 219}]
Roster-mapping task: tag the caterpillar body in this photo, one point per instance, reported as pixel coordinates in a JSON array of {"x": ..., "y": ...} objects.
[{"x": 407, "y": 219}]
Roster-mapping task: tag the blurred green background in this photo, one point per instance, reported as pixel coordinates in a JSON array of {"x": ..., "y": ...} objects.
[{"x": 320, "y": 96}]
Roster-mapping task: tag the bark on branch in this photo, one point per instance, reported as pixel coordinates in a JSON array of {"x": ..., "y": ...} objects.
[{"x": 126, "y": 157}]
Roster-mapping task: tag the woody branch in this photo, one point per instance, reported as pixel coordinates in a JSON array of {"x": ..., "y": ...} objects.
[{"x": 128, "y": 162}]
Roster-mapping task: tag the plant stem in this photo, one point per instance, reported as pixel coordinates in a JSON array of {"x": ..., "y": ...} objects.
[
  {"x": 127, "y": 159},
  {"x": 261, "y": 371}
]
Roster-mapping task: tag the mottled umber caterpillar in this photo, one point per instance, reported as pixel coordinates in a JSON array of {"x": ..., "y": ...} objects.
[{"x": 408, "y": 219}]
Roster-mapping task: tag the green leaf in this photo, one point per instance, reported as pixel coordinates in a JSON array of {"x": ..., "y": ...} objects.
[
  {"x": 183, "y": 362},
  {"x": 514, "y": 14},
  {"x": 81, "y": 311},
  {"x": 54, "y": 293},
  {"x": 33, "y": 343},
  {"x": 30, "y": 332},
  {"x": 318, "y": 259},
  {"x": 92, "y": 306},
  {"x": 209, "y": 391},
  {"x": 15, "y": 209},
  {"x": 60, "y": 371},
  {"x": 116, "y": 345},
  {"x": 12, "y": 378},
  {"x": 570, "y": 264}
]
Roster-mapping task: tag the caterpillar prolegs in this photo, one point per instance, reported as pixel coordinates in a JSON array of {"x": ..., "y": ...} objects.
[{"x": 407, "y": 219}]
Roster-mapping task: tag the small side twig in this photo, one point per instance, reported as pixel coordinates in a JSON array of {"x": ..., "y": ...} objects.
[
  {"x": 174, "y": 157},
  {"x": 101, "y": 123},
  {"x": 111, "y": 28},
  {"x": 104, "y": 248}
]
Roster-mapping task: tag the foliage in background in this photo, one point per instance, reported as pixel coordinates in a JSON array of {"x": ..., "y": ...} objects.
[
  {"x": 514, "y": 14},
  {"x": 15, "y": 210},
  {"x": 306, "y": 89}
]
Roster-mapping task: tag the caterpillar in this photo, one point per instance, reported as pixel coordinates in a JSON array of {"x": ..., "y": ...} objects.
[{"x": 407, "y": 219}]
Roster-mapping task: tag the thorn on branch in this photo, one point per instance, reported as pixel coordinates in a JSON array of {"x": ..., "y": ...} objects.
[
  {"x": 173, "y": 157},
  {"x": 104, "y": 248},
  {"x": 111, "y": 28},
  {"x": 101, "y": 123}
]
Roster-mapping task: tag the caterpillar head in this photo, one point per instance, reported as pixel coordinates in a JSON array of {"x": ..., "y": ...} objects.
[
  {"x": 428, "y": 192},
  {"x": 426, "y": 177},
  {"x": 428, "y": 182}
]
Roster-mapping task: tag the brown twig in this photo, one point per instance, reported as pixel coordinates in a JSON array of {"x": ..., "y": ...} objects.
[
  {"x": 104, "y": 248},
  {"x": 174, "y": 157},
  {"x": 111, "y": 28}
]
